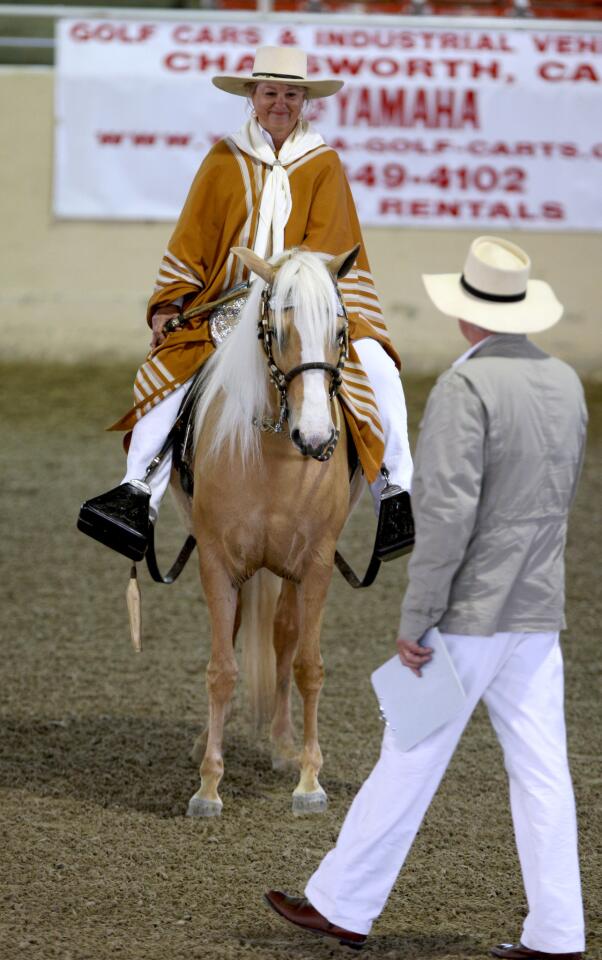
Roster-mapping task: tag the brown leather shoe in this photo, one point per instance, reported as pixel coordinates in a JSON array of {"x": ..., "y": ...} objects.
[
  {"x": 299, "y": 911},
  {"x": 516, "y": 951}
]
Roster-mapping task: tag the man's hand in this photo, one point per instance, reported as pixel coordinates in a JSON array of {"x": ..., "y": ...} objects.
[
  {"x": 412, "y": 655},
  {"x": 160, "y": 318}
]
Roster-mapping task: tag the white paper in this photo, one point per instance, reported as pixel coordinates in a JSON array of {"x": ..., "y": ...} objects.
[{"x": 412, "y": 706}]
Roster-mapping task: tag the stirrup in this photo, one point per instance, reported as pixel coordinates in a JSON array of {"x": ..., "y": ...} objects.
[
  {"x": 120, "y": 519},
  {"x": 395, "y": 529}
]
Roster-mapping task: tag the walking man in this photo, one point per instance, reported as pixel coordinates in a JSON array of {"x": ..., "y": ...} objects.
[{"x": 496, "y": 470}]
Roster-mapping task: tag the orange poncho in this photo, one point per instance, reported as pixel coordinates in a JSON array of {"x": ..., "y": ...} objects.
[{"x": 221, "y": 211}]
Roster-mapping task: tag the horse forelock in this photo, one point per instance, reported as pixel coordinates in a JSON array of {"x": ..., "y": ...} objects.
[{"x": 304, "y": 285}]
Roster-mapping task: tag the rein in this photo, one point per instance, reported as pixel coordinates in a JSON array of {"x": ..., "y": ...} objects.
[
  {"x": 179, "y": 321},
  {"x": 281, "y": 380}
]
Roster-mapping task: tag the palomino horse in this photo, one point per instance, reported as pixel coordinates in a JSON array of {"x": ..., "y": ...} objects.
[{"x": 268, "y": 501}]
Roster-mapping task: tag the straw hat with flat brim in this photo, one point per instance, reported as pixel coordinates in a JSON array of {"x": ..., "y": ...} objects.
[
  {"x": 281, "y": 65},
  {"x": 494, "y": 291}
]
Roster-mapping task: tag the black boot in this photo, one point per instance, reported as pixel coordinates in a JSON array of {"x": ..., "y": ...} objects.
[{"x": 119, "y": 518}]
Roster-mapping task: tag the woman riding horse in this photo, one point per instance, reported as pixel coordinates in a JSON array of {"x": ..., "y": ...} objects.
[{"x": 272, "y": 186}]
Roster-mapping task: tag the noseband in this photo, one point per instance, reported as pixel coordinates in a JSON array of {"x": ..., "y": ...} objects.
[{"x": 281, "y": 380}]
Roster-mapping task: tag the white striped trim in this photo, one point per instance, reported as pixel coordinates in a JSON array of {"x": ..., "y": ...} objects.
[
  {"x": 377, "y": 325},
  {"x": 162, "y": 369},
  {"x": 361, "y": 288},
  {"x": 371, "y": 314},
  {"x": 363, "y": 302},
  {"x": 358, "y": 416},
  {"x": 307, "y": 158},
  {"x": 369, "y": 407},
  {"x": 371, "y": 303},
  {"x": 358, "y": 386},
  {"x": 365, "y": 288},
  {"x": 168, "y": 274},
  {"x": 232, "y": 263},
  {"x": 245, "y": 233},
  {"x": 145, "y": 385},
  {"x": 168, "y": 255},
  {"x": 157, "y": 382},
  {"x": 259, "y": 172},
  {"x": 172, "y": 264}
]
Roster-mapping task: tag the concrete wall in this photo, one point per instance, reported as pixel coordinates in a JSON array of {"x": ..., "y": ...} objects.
[{"x": 77, "y": 291}]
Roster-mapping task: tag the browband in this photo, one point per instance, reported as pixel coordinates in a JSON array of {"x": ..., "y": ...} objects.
[{"x": 493, "y": 297}]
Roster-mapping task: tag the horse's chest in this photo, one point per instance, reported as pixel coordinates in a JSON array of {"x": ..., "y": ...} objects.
[{"x": 272, "y": 538}]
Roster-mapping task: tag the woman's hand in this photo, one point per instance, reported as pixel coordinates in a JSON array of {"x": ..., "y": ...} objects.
[
  {"x": 160, "y": 318},
  {"x": 412, "y": 655}
]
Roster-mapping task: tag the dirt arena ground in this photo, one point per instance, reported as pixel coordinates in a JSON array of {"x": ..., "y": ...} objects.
[{"x": 99, "y": 860}]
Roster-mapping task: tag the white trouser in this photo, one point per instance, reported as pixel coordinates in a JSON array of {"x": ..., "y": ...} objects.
[
  {"x": 388, "y": 391},
  {"x": 151, "y": 430},
  {"x": 148, "y": 436},
  {"x": 520, "y": 679}
]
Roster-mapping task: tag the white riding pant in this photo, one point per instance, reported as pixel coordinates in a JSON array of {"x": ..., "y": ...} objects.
[
  {"x": 519, "y": 676},
  {"x": 151, "y": 430},
  {"x": 148, "y": 436},
  {"x": 388, "y": 392}
]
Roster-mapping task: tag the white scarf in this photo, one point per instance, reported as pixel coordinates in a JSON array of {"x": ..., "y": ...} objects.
[{"x": 276, "y": 202}]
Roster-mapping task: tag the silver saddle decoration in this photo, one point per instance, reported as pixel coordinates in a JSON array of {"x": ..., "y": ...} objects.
[{"x": 225, "y": 317}]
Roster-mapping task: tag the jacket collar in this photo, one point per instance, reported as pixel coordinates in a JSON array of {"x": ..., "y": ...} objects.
[{"x": 509, "y": 345}]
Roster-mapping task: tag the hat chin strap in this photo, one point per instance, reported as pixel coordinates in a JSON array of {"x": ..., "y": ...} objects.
[{"x": 492, "y": 297}]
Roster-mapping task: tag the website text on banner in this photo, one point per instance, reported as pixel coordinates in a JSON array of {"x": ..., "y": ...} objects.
[{"x": 440, "y": 127}]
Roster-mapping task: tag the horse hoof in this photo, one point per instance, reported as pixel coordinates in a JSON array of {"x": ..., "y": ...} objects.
[
  {"x": 198, "y": 807},
  {"x": 315, "y": 802}
]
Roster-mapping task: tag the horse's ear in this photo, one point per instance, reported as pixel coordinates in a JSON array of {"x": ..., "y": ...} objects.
[
  {"x": 340, "y": 266},
  {"x": 255, "y": 264}
]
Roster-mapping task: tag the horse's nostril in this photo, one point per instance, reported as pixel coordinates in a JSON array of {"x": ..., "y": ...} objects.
[{"x": 296, "y": 436}]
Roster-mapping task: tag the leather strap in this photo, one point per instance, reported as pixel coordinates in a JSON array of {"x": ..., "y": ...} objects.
[
  {"x": 352, "y": 578},
  {"x": 212, "y": 304},
  {"x": 190, "y": 543},
  {"x": 180, "y": 562}
]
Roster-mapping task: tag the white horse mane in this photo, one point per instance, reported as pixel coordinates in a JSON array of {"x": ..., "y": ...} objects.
[{"x": 238, "y": 373}]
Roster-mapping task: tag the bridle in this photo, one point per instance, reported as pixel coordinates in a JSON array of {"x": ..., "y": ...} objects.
[{"x": 281, "y": 380}]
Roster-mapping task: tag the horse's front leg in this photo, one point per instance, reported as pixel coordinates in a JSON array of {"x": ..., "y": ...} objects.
[
  {"x": 200, "y": 744},
  {"x": 222, "y": 671},
  {"x": 284, "y": 752},
  {"x": 308, "y": 796}
]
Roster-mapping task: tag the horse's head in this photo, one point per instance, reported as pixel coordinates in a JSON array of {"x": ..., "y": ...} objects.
[{"x": 304, "y": 332}]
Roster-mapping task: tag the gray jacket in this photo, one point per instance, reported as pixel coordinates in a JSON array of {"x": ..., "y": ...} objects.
[{"x": 497, "y": 464}]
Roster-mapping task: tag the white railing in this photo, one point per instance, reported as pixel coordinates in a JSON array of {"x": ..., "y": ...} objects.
[{"x": 264, "y": 9}]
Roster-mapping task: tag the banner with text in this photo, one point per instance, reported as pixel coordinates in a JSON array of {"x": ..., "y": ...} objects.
[{"x": 436, "y": 127}]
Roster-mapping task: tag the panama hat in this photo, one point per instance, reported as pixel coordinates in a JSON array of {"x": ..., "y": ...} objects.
[
  {"x": 494, "y": 291},
  {"x": 282, "y": 65}
]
